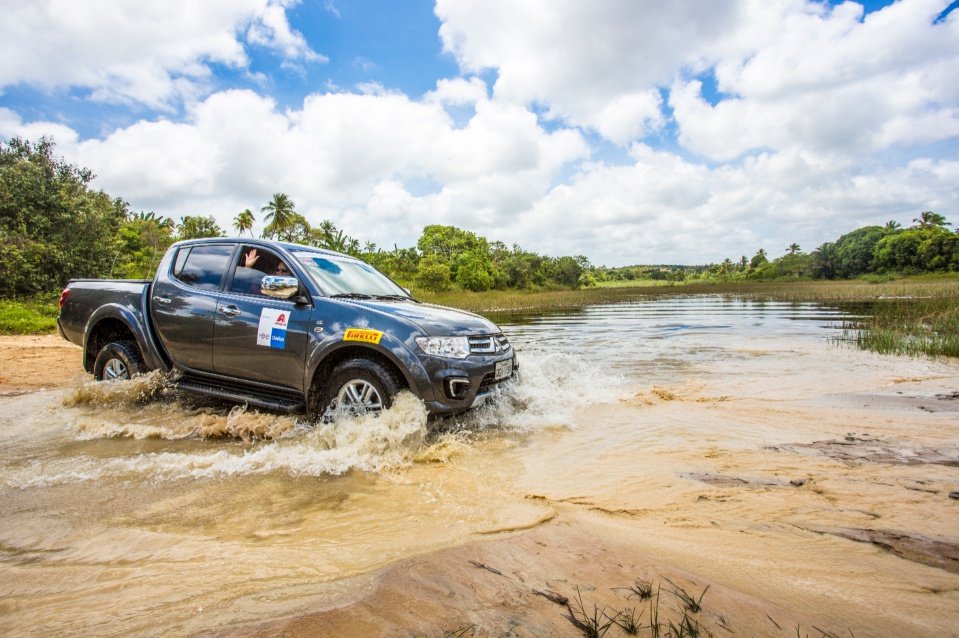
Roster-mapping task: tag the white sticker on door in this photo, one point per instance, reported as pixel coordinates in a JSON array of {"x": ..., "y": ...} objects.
[{"x": 272, "y": 329}]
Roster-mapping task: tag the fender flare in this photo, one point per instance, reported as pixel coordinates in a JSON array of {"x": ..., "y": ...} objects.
[
  {"x": 134, "y": 322},
  {"x": 395, "y": 351}
]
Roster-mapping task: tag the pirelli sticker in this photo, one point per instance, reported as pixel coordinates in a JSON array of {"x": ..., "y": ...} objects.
[{"x": 362, "y": 334}]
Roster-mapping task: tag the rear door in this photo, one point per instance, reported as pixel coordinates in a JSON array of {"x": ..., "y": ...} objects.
[
  {"x": 257, "y": 337},
  {"x": 183, "y": 303}
]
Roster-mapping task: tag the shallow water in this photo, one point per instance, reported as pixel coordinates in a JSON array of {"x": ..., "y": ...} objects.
[{"x": 129, "y": 513}]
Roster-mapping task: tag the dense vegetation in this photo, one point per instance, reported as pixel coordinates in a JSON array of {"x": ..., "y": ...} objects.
[{"x": 927, "y": 247}]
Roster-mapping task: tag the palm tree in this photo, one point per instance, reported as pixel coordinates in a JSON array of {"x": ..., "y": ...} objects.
[
  {"x": 793, "y": 249},
  {"x": 280, "y": 216},
  {"x": 244, "y": 221},
  {"x": 893, "y": 225},
  {"x": 928, "y": 219},
  {"x": 726, "y": 267}
]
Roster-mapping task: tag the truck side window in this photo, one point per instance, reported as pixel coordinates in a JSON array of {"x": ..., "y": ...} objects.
[
  {"x": 253, "y": 264},
  {"x": 180, "y": 261},
  {"x": 204, "y": 266}
]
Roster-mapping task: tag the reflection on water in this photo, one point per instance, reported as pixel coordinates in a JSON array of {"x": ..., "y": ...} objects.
[
  {"x": 668, "y": 334},
  {"x": 128, "y": 513}
]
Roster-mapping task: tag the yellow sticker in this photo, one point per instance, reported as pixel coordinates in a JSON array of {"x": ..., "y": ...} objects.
[{"x": 361, "y": 334}]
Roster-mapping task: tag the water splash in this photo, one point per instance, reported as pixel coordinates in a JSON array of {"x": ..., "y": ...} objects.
[{"x": 550, "y": 389}]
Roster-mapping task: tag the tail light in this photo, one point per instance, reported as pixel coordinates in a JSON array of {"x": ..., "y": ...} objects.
[{"x": 63, "y": 297}]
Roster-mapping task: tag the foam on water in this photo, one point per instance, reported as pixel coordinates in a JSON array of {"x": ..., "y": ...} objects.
[{"x": 550, "y": 389}]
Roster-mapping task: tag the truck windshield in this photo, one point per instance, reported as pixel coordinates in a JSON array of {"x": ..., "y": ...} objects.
[{"x": 341, "y": 276}]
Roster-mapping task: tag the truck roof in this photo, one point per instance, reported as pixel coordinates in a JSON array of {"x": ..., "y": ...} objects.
[{"x": 251, "y": 241}]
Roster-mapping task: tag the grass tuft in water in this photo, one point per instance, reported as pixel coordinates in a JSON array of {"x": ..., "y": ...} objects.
[
  {"x": 691, "y": 603},
  {"x": 688, "y": 628},
  {"x": 642, "y": 589},
  {"x": 629, "y": 622},
  {"x": 908, "y": 327},
  {"x": 593, "y": 625}
]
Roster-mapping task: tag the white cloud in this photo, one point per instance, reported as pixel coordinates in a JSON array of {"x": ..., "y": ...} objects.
[
  {"x": 271, "y": 29},
  {"x": 346, "y": 157},
  {"x": 594, "y": 64},
  {"x": 825, "y": 120},
  {"x": 146, "y": 51}
]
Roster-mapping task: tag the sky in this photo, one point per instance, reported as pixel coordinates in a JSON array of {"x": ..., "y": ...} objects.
[{"x": 627, "y": 131}]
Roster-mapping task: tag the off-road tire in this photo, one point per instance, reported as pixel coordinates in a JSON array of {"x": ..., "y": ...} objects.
[
  {"x": 355, "y": 387},
  {"x": 118, "y": 361}
]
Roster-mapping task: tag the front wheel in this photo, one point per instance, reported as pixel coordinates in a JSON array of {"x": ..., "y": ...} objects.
[
  {"x": 356, "y": 387},
  {"x": 118, "y": 361}
]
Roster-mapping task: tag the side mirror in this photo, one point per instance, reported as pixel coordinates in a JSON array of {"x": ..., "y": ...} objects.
[{"x": 280, "y": 287}]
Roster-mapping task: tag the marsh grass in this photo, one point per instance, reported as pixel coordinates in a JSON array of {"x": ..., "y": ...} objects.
[
  {"x": 913, "y": 328},
  {"x": 30, "y": 316},
  {"x": 688, "y": 628},
  {"x": 690, "y": 602},
  {"x": 945, "y": 287},
  {"x": 629, "y": 622},
  {"x": 593, "y": 625},
  {"x": 642, "y": 589}
]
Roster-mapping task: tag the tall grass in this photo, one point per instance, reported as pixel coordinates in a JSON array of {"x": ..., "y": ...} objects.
[
  {"x": 914, "y": 328},
  {"x": 35, "y": 315},
  {"x": 825, "y": 291}
]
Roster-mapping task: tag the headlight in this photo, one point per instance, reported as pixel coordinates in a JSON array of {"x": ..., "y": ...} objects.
[{"x": 452, "y": 347}]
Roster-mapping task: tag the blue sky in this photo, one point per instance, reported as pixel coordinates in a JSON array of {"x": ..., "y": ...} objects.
[{"x": 629, "y": 131}]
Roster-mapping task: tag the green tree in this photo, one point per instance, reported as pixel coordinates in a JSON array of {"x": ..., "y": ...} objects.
[
  {"x": 899, "y": 252},
  {"x": 52, "y": 225},
  {"x": 143, "y": 240},
  {"x": 793, "y": 249},
  {"x": 758, "y": 259},
  {"x": 280, "y": 216},
  {"x": 855, "y": 251},
  {"x": 197, "y": 228},
  {"x": 433, "y": 274},
  {"x": 474, "y": 271},
  {"x": 928, "y": 219},
  {"x": 244, "y": 222}
]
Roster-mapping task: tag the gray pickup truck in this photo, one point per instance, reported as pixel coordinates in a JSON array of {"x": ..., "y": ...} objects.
[{"x": 284, "y": 327}]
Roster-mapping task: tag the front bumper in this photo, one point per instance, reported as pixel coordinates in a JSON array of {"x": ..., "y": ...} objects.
[{"x": 462, "y": 385}]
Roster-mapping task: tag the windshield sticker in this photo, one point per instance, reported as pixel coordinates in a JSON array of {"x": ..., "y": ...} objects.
[
  {"x": 361, "y": 334},
  {"x": 272, "y": 329}
]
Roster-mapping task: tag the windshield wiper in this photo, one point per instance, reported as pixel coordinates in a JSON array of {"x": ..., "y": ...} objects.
[
  {"x": 352, "y": 295},
  {"x": 395, "y": 297}
]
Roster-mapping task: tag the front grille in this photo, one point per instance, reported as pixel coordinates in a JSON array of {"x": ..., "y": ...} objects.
[
  {"x": 488, "y": 383},
  {"x": 489, "y": 344}
]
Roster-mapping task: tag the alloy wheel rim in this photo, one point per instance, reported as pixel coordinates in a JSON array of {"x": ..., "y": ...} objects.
[
  {"x": 359, "y": 397},
  {"x": 115, "y": 370}
]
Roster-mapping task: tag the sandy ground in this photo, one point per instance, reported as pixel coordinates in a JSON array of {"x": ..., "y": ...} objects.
[
  {"x": 29, "y": 363},
  {"x": 536, "y": 582}
]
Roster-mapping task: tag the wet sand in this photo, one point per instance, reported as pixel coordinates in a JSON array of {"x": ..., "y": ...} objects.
[
  {"x": 840, "y": 521},
  {"x": 37, "y": 362}
]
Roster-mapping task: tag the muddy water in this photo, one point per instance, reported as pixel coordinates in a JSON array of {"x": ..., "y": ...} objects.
[{"x": 733, "y": 439}]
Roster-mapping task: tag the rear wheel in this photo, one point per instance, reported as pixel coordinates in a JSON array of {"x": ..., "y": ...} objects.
[
  {"x": 356, "y": 387},
  {"x": 118, "y": 361}
]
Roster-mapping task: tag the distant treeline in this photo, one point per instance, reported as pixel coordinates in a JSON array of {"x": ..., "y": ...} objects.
[
  {"x": 928, "y": 246},
  {"x": 54, "y": 227}
]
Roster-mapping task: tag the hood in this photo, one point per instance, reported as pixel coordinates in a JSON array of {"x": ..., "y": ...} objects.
[{"x": 437, "y": 321}]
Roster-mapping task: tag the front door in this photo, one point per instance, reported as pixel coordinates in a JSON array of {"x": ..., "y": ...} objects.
[{"x": 256, "y": 337}]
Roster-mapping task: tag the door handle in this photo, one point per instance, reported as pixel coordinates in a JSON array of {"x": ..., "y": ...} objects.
[
  {"x": 162, "y": 300},
  {"x": 232, "y": 311}
]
